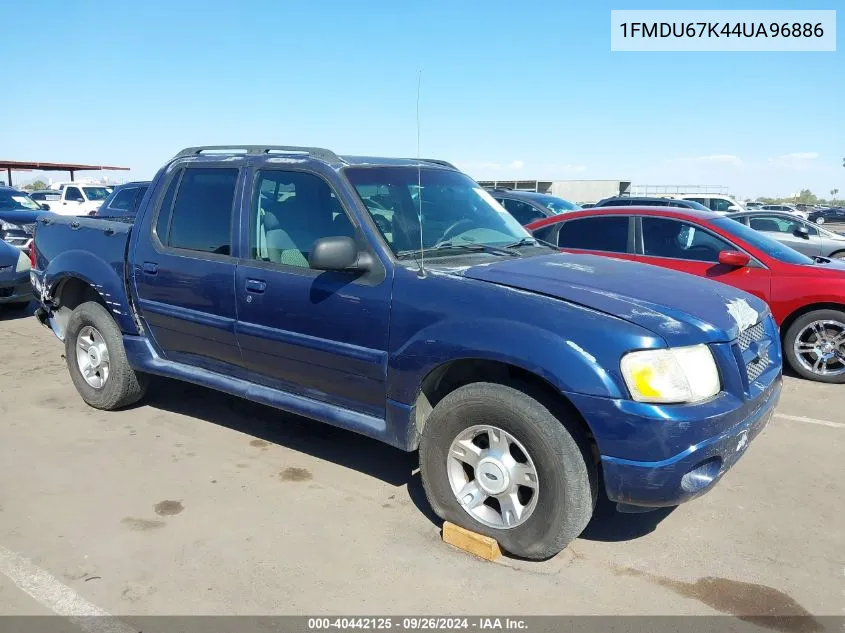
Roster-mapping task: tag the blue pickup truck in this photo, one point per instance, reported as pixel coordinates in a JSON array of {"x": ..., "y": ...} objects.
[{"x": 397, "y": 299}]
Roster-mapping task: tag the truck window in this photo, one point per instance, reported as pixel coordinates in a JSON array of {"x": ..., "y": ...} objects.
[
  {"x": 123, "y": 200},
  {"x": 73, "y": 194},
  {"x": 290, "y": 211},
  {"x": 202, "y": 215},
  {"x": 524, "y": 213},
  {"x": 596, "y": 234}
]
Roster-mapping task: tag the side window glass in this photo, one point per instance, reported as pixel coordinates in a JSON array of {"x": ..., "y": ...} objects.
[
  {"x": 290, "y": 211},
  {"x": 719, "y": 204},
  {"x": 163, "y": 219},
  {"x": 776, "y": 224},
  {"x": 522, "y": 212},
  {"x": 72, "y": 194},
  {"x": 679, "y": 240},
  {"x": 123, "y": 200},
  {"x": 140, "y": 196},
  {"x": 202, "y": 214},
  {"x": 596, "y": 234}
]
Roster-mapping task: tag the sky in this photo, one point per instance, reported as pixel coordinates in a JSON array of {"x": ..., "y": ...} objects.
[{"x": 527, "y": 90}]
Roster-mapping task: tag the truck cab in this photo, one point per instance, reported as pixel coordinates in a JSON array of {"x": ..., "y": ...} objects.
[
  {"x": 76, "y": 199},
  {"x": 397, "y": 299}
]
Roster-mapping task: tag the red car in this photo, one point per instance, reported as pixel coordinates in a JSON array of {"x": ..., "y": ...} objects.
[{"x": 806, "y": 295}]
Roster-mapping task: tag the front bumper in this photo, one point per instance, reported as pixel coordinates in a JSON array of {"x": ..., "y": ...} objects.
[
  {"x": 694, "y": 470},
  {"x": 15, "y": 289}
]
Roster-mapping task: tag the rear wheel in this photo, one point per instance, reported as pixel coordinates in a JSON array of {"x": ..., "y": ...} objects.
[
  {"x": 97, "y": 361},
  {"x": 819, "y": 220},
  {"x": 496, "y": 461},
  {"x": 814, "y": 346},
  {"x": 839, "y": 255}
]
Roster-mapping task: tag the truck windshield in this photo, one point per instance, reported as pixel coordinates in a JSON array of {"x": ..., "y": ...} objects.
[
  {"x": 557, "y": 205},
  {"x": 766, "y": 244},
  {"x": 17, "y": 200},
  {"x": 96, "y": 193},
  {"x": 454, "y": 209}
]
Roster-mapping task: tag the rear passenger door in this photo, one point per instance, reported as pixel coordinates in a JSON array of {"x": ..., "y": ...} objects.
[
  {"x": 603, "y": 235},
  {"x": 184, "y": 267},
  {"x": 320, "y": 334}
]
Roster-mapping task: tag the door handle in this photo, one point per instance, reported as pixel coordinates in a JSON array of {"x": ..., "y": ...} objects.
[
  {"x": 150, "y": 268},
  {"x": 256, "y": 286}
]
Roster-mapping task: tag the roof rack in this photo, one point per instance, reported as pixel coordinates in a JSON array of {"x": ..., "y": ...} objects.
[
  {"x": 256, "y": 150},
  {"x": 437, "y": 161}
]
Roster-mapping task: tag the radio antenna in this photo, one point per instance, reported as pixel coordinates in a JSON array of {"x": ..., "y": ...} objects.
[{"x": 421, "y": 271}]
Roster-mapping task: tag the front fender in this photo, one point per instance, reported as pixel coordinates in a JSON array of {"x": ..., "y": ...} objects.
[
  {"x": 585, "y": 360},
  {"x": 103, "y": 278}
]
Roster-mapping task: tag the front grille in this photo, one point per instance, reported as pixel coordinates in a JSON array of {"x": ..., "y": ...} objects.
[
  {"x": 29, "y": 229},
  {"x": 754, "y": 366}
]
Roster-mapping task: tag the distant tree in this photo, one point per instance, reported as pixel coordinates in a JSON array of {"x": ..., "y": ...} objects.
[
  {"x": 768, "y": 200},
  {"x": 833, "y": 193},
  {"x": 806, "y": 197},
  {"x": 35, "y": 186}
]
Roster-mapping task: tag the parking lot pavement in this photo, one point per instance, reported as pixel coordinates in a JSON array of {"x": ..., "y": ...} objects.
[{"x": 196, "y": 502}]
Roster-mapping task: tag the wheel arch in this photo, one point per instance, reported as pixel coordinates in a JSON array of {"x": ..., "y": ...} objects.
[
  {"x": 812, "y": 307},
  {"x": 453, "y": 374}
]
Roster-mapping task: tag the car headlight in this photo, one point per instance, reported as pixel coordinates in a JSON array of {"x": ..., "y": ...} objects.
[
  {"x": 23, "y": 263},
  {"x": 674, "y": 375}
]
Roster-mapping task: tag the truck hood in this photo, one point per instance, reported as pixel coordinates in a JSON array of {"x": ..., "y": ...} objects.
[{"x": 683, "y": 309}]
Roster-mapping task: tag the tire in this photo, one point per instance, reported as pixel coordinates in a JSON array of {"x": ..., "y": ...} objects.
[
  {"x": 839, "y": 255},
  {"x": 799, "y": 328},
  {"x": 122, "y": 385},
  {"x": 819, "y": 220},
  {"x": 565, "y": 474}
]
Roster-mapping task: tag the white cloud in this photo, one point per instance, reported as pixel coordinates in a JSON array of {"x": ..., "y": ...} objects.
[
  {"x": 713, "y": 159},
  {"x": 567, "y": 168},
  {"x": 796, "y": 160}
]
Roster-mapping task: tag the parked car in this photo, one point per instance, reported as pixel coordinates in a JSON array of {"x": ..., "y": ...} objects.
[
  {"x": 18, "y": 213},
  {"x": 527, "y": 206},
  {"x": 802, "y": 235},
  {"x": 786, "y": 208},
  {"x": 524, "y": 376},
  {"x": 753, "y": 205},
  {"x": 586, "y": 205},
  {"x": 625, "y": 201},
  {"x": 806, "y": 295},
  {"x": 123, "y": 201},
  {"x": 76, "y": 199},
  {"x": 830, "y": 214},
  {"x": 15, "y": 288},
  {"x": 712, "y": 201}
]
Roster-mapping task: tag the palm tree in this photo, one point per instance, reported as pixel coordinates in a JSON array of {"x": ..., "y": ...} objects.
[{"x": 833, "y": 193}]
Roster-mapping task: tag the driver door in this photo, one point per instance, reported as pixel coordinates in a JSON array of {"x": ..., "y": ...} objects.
[{"x": 319, "y": 334}]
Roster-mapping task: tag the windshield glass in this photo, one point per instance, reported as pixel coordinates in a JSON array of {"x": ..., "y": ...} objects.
[
  {"x": 766, "y": 244},
  {"x": 454, "y": 208},
  {"x": 17, "y": 200},
  {"x": 96, "y": 193},
  {"x": 557, "y": 205}
]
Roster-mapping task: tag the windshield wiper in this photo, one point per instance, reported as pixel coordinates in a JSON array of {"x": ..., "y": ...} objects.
[
  {"x": 530, "y": 241},
  {"x": 478, "y": 248}
]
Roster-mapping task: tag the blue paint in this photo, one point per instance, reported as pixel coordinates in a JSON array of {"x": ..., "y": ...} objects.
[{"x": 354, "y": 351}]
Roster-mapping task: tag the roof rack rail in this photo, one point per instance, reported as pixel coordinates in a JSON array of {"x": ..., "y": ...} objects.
[
  {"x": 254, "y": 150},
  {"x": 437, "y": 161}
]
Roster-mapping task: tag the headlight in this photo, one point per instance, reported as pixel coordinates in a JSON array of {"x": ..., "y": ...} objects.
[
  {"x": 23, "y": 263},
  {"x": 680, "y": 374}
]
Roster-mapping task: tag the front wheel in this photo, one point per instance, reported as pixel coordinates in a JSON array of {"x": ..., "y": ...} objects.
[
  {"x": 819, "y": 220},
  {"x": 97, "y": 361},
  {"x": 814, "y": 346},
  {"x": 496, "y": 461}
]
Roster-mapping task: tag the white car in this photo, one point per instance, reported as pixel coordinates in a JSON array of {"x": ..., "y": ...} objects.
[
  {"x": 76, "y": 198},
  {"x": 785, "y": 208},
  {"x": 713, "y": 201}
]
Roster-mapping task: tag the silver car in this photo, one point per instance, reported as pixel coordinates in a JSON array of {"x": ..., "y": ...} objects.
[
  {"x": 800, "y": 234},
  {"x": 15, "y": 288}
]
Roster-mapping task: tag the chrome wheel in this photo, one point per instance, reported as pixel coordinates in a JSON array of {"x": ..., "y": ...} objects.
[
  {"x": 493, "y": 477},
  {"x": 819, "y": 220},
  {"x": 820, "y": 348},
  {"x": 92, "y": 357}
]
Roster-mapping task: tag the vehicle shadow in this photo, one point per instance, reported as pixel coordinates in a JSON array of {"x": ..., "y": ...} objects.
[
  {"x": 15, "y": 312},
  {"x": 328, "y": 443}
]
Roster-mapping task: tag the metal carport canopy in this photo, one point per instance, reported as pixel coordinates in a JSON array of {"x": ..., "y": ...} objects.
[{"x": 10, "y": 165}]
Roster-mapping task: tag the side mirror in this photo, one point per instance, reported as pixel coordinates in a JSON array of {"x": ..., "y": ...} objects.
[
  {"x": 44, "y": 206},
  {"x": 802, "y": 231},
  {"x": 338, "y": 253},
  {"x": 735, "y": 259}
]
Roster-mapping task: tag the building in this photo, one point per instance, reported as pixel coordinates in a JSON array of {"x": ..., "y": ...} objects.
[{"x": 572, "y": 190}]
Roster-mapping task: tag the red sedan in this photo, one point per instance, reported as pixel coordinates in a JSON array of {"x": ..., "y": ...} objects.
[{"x": 806, "y": 295}]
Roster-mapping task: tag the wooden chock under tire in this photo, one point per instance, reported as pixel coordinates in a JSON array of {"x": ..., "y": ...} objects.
[{"x": 472, "y": 542}]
